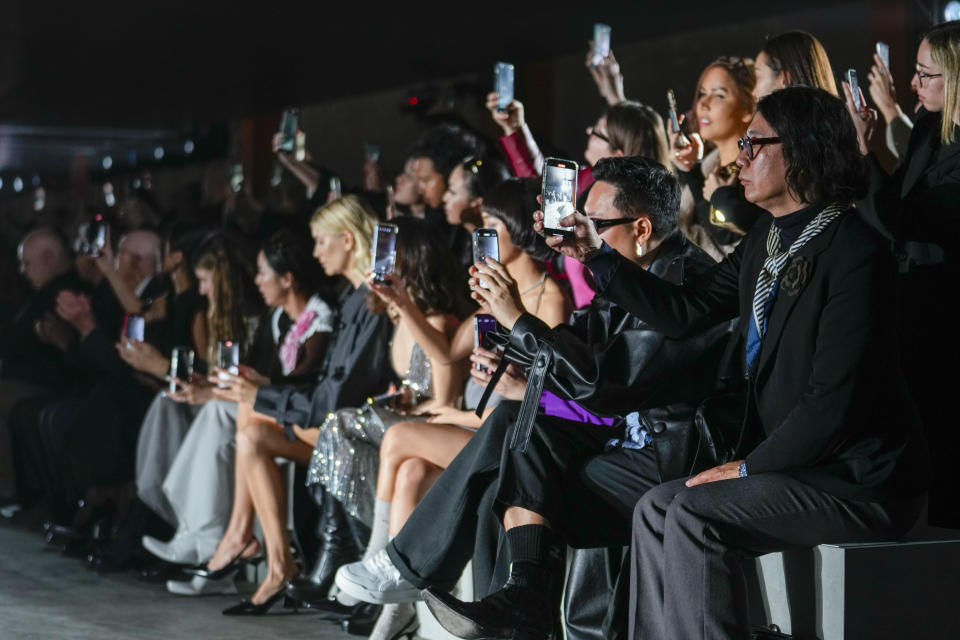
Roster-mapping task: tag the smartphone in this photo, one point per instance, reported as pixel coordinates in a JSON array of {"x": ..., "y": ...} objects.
[
  {"x": 133, "y": 327},
  {"x": 851, "y": 77},
  {"x": 384, "y": 256},
  {"x": 483, "y": 324},
  {"x": 236, "y": 177},
  {"x": 559, "y": 194},
  {"x": 883, "y": 50},
  {"x": 503, "y": 85},
  {"x": 228, "y": 359},
  {"x": 336, "y": 189},
  {"x": 682, "y": 140},
  {"x": 485, "y": 244},
  {"x": 289, "y": 123},
  {"x": 181, "y": 365},
  {"x": 601, "y": 42}
]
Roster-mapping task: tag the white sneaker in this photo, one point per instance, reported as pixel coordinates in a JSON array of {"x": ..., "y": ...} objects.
[
  {"x": 376, "y": 580},
  {"x": 199, "y": 586},
  {"x": 181, "y": 549}
]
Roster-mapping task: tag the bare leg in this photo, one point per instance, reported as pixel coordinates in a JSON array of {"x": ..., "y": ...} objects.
[
  {"x": 240, "y": 528},
  {"x": 258, "y": 443},
  {"x": 437, "y": 444},
  {"x": 414, "y": 477}
]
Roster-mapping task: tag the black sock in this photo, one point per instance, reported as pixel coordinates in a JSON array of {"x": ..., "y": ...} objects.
[{"x": 530, "y": 543}]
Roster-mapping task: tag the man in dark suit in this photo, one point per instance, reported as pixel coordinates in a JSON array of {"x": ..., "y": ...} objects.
[{"x": 834, "y": 453}]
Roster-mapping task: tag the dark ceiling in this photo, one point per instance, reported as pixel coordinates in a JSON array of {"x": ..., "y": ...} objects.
[{"x": 156, "y": 67}]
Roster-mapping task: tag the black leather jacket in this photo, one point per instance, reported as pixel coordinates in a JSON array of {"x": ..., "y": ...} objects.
[{"x": 613, "y": 363}]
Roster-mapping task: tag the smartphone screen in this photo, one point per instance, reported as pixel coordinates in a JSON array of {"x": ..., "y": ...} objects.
[
  {"x": 181, "y": 365},
  {"x": 854, "y": 88},
  {"x": 485, "y": 243},
  {"x": 482, "y": 325},
  {"x": 559, "y": 193},
  {"x": 336, "y": 189},
  {"x": 503, "y": 84},
  {"x": 289, "y": 123},
  {"x": 384, "y": 251},
  {"x": 133, "y": 327},
  {"x": 883, "y": 50},
  {"x": 601, "y": 42},
  {"x": 228, "y": 359}
]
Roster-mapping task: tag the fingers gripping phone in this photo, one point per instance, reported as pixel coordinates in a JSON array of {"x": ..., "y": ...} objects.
[
  {"x": 483, "y": 324},
  {"x": 485, "y": 244},
  {"x": 384, "y": 256},
  {"x": 559, "y": 194},
  {"x": 503, "y": 85},
  {"x": 851, "y": 77}
]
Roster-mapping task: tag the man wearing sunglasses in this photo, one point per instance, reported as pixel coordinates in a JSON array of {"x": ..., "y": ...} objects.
[{"x": 612, "y": 388}]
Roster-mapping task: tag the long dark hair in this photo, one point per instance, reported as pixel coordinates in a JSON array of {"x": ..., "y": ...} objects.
[
  {"x": 820, "y": 144},
  {"x": 801, "y": 56},
  {"x": 481, "y": 174}
]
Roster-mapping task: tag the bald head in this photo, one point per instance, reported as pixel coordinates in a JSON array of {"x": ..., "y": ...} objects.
[
  {"x": 138, "y": 256},
  {"x": 43, "y": 257}
]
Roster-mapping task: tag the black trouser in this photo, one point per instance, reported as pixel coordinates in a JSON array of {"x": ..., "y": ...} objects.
[
  {"x": 559, "y": 476},
  {"x": 687, "y": 576}
]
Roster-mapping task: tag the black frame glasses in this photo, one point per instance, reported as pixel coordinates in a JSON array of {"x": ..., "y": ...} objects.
[
  {"x": 921, "y": 76},
  {"x": 592, "y": 131},
  {"x": 749, "y": 143},
  {"x": 602, "y": 224}
]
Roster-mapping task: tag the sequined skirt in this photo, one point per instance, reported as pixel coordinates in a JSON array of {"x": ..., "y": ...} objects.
[{"x": 347, "y": 456}]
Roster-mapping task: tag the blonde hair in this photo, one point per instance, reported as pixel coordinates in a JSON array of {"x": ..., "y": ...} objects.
[
  {"x": 225, "y": 320},
  {"x": 944, "y": 43},
  {"x": 349, "y": 214}
]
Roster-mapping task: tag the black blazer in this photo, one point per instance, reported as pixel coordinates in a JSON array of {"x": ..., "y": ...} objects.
[{"x": 828, "y": 395}]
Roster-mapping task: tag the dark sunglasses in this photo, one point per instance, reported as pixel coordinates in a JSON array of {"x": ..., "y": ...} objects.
[
  {"x": 605, "y": 223},
  {"x": 750, "y": 143}
]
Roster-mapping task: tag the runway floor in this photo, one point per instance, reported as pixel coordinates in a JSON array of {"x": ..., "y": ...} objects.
[{"x": 46, "y": 596}]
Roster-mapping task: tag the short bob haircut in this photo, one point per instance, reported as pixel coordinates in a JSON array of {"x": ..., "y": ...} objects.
[
  {"x": 802, "y": 58},
  {"x": 820, "y": 145},
  {"x": 514, "y": 202}
]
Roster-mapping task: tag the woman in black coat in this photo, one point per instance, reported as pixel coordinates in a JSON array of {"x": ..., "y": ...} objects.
[
  {"x": 832, "y": 451},
  {"x": 917, "y": 208}
]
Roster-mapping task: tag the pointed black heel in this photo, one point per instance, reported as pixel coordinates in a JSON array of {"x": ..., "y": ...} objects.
[
  {"x": 238, "y": 562},
  {"x": 247, "y": 608}
]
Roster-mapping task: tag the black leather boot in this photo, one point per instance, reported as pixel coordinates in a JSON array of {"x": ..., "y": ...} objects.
[
  {"x": 337, "y": 548},
  {"x": 528, "y": 606}
]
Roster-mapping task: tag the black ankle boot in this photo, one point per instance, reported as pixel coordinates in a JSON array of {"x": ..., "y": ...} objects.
[
  {"x": 337, "y": 548},
  {"x": 528, "y": 606}
]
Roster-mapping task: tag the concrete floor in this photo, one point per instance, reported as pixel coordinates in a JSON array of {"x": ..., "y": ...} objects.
[{"x": 46, "y": 596}]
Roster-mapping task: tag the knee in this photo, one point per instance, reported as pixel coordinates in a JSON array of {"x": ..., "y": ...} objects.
[
  {"x": 394, "y": 440},
  {"x": 651, "y": 509},
  {"x": 251, "y": 440},
  {"x": 412, "y": 472}
]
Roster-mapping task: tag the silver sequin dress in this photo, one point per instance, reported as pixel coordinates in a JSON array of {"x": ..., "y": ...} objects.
[{"x": 347, "y": 455}]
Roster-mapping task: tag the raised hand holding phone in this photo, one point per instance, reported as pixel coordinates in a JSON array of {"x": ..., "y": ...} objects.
[
  {"x": 496, "y": 291},
  {"x": 512, "y": 119},
  {"x": 503, "y": 83},
  {"x": 864, "y": 119},
  {"x": 580, "y": 244}
]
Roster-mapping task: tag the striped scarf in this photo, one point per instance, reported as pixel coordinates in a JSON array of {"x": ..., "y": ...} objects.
[{"x": 778, "y": 258}]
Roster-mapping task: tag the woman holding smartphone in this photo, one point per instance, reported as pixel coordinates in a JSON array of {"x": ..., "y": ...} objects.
[
  {"x": 181, "y": 464},
  {"x": 713, "y": 212},
  {"x": 414, "y": 453},
  {"x": 917, "y": 208}
]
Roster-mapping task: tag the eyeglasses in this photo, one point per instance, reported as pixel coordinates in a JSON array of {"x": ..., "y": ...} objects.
[
  {"x": 602, "y": 224},
  {"x": 921, "y": 76},
  {"x": 591, "y": 131},
  {"x": 750, "y": 143}
]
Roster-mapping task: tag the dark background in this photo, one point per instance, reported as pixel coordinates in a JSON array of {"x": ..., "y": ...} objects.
[{"x": 82, "y": 79}]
